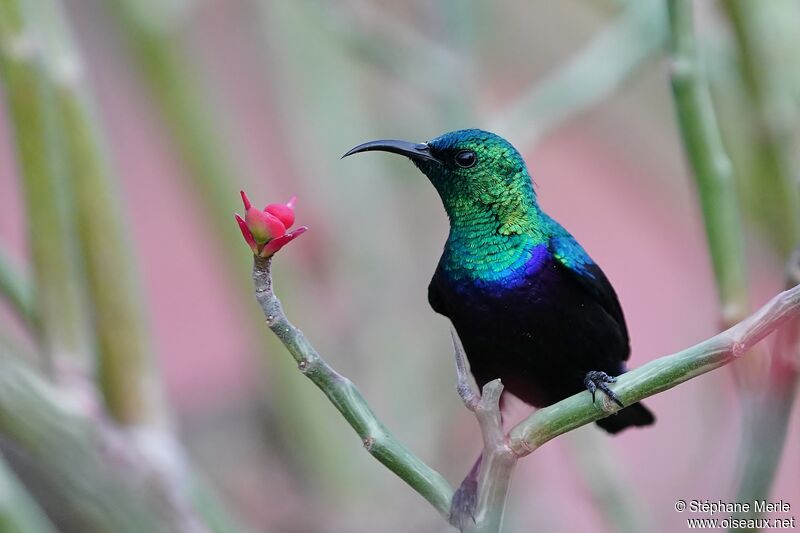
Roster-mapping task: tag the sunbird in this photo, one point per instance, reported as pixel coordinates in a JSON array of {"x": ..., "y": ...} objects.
[{"x": 529, "y": 304}]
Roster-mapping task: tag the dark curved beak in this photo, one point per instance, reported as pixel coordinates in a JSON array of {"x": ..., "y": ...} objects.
[{"x": 414, "y": 151}]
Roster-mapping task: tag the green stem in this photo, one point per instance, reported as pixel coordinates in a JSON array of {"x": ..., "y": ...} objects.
[
  {"x": 15, "y": 288},
  {"x": 124, "y": 362},
  {"x": 766, "y": 44},
  {"x": 766, "y": 411},
  {"x": 595, "y": 72},
  {"x": 344, "y": 395},
  {"x": 106, "y": 481},
  {"x": 125, "y": 368},
  {"x": 711, "y": 166},
  {"x": 658, "y": 375},
  {"x": 19, "y": 512},
  {"x": 32, "y": 111},
  {"x": 621, "y": 507}
]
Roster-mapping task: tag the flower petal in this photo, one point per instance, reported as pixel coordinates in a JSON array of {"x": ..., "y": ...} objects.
[
  {"x": 248, "y": 236},
  {"x": 285, "y": 212},
  {"x": 276, "y": 244},
  {"x": 263, "y": 225},
  {"x": 247, "y": 204}
]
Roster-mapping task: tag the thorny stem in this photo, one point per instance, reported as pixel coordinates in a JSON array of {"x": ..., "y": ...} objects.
[
  {"x": 542, "y": 426},
  {"x": 344, "y": 395}
]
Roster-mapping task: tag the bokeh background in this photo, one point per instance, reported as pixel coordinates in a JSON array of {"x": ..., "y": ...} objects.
[{"x": 197, "y": 99}]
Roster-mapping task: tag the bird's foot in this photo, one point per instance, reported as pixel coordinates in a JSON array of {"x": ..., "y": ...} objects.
[{"x": 596, "y": 379}]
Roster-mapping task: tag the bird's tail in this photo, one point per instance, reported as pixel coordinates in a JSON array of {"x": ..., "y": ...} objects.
[{"x": 633, "y": 415}]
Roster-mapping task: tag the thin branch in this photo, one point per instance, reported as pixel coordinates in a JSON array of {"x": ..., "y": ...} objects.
[
  {"x": 463, "y": 387},
  {"x": 497, "y": 464},
  {"x": 591, "y": 75},
  {"x": 497, "y": 461},
  {"x": 658, "y": 375},
  {"x": 344, "y": 395}
]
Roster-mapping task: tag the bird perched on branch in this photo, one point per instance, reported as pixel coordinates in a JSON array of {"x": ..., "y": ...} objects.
[{"x": 529, "y": 304}]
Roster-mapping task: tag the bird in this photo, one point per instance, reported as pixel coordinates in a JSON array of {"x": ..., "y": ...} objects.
[{"x": 528, "y": 303}]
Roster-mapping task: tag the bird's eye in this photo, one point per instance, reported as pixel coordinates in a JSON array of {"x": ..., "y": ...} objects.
[{"x": 465, "y": 158}]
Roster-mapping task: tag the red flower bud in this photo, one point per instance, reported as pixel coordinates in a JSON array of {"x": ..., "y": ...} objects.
[
  {"x": 265, "y": 231},
  {"x": 284, "y": 212},
  {"x": 263, "y": 225}
]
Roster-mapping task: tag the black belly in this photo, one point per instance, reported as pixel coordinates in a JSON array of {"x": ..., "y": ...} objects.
[{"x": 540, "y": 339}]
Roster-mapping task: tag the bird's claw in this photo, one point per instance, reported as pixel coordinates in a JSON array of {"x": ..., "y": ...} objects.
[{"x": 596, "y": 379}]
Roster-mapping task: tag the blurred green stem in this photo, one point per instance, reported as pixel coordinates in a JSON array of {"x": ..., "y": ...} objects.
[
  {"x": 103, "y": 474},
  {"x": 622, "y": 508},
  {"x": 596, "y": 71},
  {"x": 711, "y": 166},
  {"x": 124, "y": 367},
  {"x": 766, "y": 408},
  {"x": 19, "y": 512},
  {"x": 344, "y": 395},
  {"x": 390, "y": 45},
  {"x": 32, "y": 111},
  {"x": 764, "y": 429},
  {"x": 124, "y": 364},
  {"x": 15, "y": 288},
  {"x": 766, "y": 44}
]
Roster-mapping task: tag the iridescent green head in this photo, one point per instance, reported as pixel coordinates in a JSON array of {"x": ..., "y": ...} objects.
[{"x": 478, "y": 174}]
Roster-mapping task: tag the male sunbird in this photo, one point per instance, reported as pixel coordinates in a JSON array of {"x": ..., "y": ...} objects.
[{"x": 529, "y": 304}]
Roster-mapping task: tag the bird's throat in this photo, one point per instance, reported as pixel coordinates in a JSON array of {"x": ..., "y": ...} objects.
[{"x": 492, "y": 243}]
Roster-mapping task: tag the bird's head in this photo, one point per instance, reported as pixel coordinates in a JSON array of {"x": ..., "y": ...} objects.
[{"x": 471, "y": 169}]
